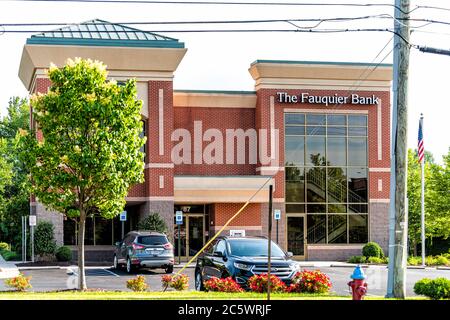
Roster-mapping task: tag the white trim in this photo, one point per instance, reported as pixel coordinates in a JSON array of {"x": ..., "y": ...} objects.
[
  {"x": 159, "y": 165},
  {"x": 272, "y": 127},
  {"x": 257, "y": 228},
  {"x": 379, "y": 132},
  {"x": 379, "y": 169},
  {"x": 161, "y": 182},
  {"x": 270, "y": 169},
  {"x": 325, "y": 110},
  {"x": 380, "y": 200},
  {"x": 149, "y": 198},
  {"x": 380, "y": 185},
  {"x": 161, "y": 121}
]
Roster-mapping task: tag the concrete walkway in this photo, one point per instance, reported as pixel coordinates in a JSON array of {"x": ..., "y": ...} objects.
[{"x": 8, "y": 269}]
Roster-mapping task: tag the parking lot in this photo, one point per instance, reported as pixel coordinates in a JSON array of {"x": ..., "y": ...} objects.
[{"x": 109, "y": 279}]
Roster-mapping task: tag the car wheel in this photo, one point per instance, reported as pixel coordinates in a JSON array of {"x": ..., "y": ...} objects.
[
  {"x": 116, "y": 263},
  {"x": 169, "y": 268},
  {"x": 130, "y": 268},
  {"x": 199, "y": 281}
]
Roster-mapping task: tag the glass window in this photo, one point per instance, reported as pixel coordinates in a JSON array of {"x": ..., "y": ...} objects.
[
  {"x": 357, "y": 228},
  {"x": 337, "y": 228},
  {"x": 337, "y": 208},
  {"x": 316, "y": 208},
  {"x": 316, "y": 228},
  {"x": 220, "y": 247},
  {"x": 295, "y": 208},
  {"x": 295, "y": 130},
  {"x": 295, "y": 173},
  {"x": 357, "y": 131},
  {"x": 315, "y": 151},
  {"x": 294, "y": 118},
  {"x": 315, "y": 119},
  {"x": 337, "y": 131},
  {"x": 357, "y": 185},
  {"x": 337, "y": 185},
  {"x": 253, "y": 248},
  {"x": 152, "y": 240},
  {"x": 357, "y": 208},
  {"x": 357, "y": 151},
  {"x": 335, "y": 119},
  {"x": 295, "y": 150},
  {"x": 336, "y": 151},
  {"x": 295, "y": 191},
  {"x": 354, "y": 120},
  {"x": 315, "y": 130},
  {"x": 316, "y": 184}
]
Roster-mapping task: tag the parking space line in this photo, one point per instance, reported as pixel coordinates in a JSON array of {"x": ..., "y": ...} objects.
[{"x": 112, "y": 273}]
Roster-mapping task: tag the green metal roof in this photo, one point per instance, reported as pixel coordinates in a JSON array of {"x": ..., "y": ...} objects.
[
  {"x": 103, "y": 33},
  {"x": 324, "y": 63}
]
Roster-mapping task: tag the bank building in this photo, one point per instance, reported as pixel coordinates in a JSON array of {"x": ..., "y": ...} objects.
[{"x": 318, "y": 132}]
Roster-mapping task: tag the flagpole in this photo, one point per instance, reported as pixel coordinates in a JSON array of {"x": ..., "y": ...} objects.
[{"x": 422, "y": 207}]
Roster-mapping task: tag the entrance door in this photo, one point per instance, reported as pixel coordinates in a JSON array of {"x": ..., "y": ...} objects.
[
  {"x": 296, "y": 227},
  {"x": 191, "y": 236}
]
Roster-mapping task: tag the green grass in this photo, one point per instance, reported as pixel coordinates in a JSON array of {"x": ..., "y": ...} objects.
[{"x": 170, "y": 295}]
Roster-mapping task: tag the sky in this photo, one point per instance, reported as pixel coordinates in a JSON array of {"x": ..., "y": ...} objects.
[{"x": 220, "y": 61}]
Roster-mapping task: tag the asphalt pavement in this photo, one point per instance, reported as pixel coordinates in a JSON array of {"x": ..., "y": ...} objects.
[{"x": 109, "y": 279}]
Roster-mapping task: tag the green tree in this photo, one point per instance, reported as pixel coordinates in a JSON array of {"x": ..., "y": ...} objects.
[
  {"x": 153, "y": 222},
  {"x": 89, "y": 155},
  {"x": 45, "y": 244},
  {"x": 437, "y": 200},
  {"x": 14, "y": 196}
]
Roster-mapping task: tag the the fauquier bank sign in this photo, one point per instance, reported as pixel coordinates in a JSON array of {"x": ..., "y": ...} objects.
[{"x": 305, "y": 97}]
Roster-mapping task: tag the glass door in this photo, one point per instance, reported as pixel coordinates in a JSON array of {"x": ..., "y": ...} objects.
[
  {"x": 296, "y": 227},
  {"x": 191, "y": 236},
  {"x": 195, "y": 234}
]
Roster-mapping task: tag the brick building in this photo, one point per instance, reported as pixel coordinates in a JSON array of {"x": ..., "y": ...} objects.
[{"x": 319, "y": 132}]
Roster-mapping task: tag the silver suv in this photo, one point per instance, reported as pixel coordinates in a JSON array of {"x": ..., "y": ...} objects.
[{"x": 144, "y": 249}]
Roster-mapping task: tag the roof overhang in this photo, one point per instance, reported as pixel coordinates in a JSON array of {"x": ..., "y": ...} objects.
[
  {"x": 222, "y": 189},
  {"x": 162, "y": 61}
]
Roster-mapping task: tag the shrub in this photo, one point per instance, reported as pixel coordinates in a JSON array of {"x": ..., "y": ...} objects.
[
  {"x": 4, "y": 246},
  {"x": 44, "y": 242},
  {"x": 179, "y": 283},
  {"x": 63, "y": 254},
  {"x": 259, "y": 283},
  {"x": 375, "y": 260},
  {"x": 438, "y": 288},
  {"x": 137, "y": 284},
  {"x": 357, "y": 259},
  {"x": 414, "y": 261},
  {"x": 441, "y": 261},
  {"x": 430, "y": 261},
  {"x": 20, "y": 283},
  {"x": 222, "y": 285},
  {"x": 310, "y": 282},
  {"x": 10, "y": 255},
  {"x": 372, "y": 249},
  {"x": 153, "y": 222}
]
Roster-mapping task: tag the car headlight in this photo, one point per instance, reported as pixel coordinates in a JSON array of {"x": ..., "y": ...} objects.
[
  {"x": 295, "y": 267},
  {"x": 242, "y": 266}
]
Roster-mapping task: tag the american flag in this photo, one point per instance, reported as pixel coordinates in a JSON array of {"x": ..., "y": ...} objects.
[{"x": 420, "y": 148}]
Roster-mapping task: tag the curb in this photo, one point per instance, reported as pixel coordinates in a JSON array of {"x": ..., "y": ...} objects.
[
  {"x": 39, "y": 268},
  {"x": 443, "y": 268}
]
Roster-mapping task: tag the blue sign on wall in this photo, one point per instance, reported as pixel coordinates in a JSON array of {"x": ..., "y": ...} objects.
[
  {"x": 179, "y": 217},
  {"x": 277, "y": 214},
  {"x": 123, "y": 216}
]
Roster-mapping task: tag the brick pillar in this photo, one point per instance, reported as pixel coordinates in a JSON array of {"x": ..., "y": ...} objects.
[{"x": 160, "y": 169}]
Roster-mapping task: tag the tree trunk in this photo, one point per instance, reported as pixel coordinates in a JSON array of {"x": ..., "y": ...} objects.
[
  {"x": 81, "y": 232},
  {"x": 415, "y": 247}
]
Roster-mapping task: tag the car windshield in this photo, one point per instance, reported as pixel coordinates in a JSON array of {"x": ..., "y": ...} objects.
[
  {"x": 152, "y": 240},
  {"x": 253, "y": 248}
]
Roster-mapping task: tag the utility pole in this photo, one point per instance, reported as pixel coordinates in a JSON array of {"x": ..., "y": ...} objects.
[
  {"x": 269, "y": 242},
  {"x": 398, "y": 227}
]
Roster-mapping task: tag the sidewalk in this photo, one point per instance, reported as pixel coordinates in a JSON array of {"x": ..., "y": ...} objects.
[{"x": 7, "y": 269}]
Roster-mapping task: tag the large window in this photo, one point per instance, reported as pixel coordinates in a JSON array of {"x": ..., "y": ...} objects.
[{"x": 327, "y": 175}]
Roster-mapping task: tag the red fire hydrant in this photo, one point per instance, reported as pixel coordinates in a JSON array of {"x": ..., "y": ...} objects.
[{"x": 358, "y": 285}]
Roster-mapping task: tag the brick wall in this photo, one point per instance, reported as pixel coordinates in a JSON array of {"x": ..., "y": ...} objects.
[{"x": 215, "y": 118}]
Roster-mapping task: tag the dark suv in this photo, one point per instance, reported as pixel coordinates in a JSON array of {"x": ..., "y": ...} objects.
[
  {"x": 242, "y": 258},
  {"x": 144, "y": 249}
]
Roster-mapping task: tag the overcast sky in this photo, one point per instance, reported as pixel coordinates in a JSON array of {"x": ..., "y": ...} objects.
[{"x": 220, "y": 60}]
